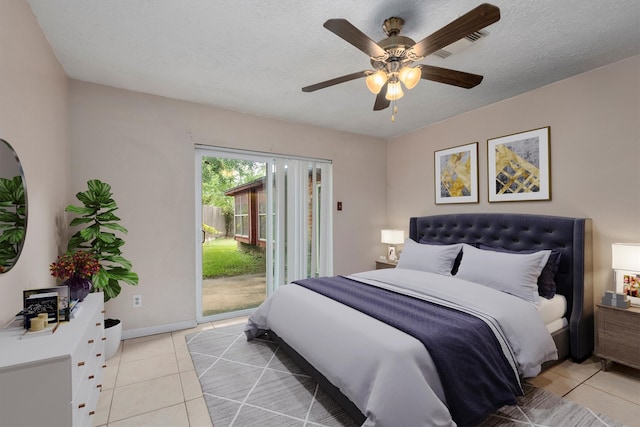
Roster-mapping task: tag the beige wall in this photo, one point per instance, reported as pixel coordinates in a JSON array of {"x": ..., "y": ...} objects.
[
  {"x": 33, "y": 118},
  {"x": 143, "y": 146},
  {"x": 595, "y": 157}
]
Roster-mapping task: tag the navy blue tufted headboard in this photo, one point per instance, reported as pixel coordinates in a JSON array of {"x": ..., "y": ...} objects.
[{"x": 572, "y": 236}]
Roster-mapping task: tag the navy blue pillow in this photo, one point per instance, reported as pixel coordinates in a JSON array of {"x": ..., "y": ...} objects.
[
  {"x": 456, "y": 263},
  {"x": 546, "y": 281}
]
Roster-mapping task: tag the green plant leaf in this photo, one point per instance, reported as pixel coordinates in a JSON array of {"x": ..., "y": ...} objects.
[
  {"x": 106, "y": 237},
  {"x": 114, "y": 226},
  {"x": 14, "y": 235},
  {"x": 112, "y": 290},
  {"x": 117, "y": 259},
  {"x": 123, "y": 274},
  {"x": 79, "y": 221},
  {"x": 81, "y": 210},
  {"x": 87, "y": 198},
  {"x": 90, "y": 232},
  {"x": 100, "y": 279},
  {"x": 98, "y": 187},
  {"x": 107, "y": 216},
  {"x": 8, "y": 217}
]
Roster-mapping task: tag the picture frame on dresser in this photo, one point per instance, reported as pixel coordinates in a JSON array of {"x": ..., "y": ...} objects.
[
  {"x": 63, "y": 299},
  {"x": 456, "y": 174},
  {"x": 518, "y": 166},
  {"x": 628, "y": 283}
]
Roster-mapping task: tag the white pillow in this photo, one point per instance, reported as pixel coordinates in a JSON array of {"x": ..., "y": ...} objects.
[
  {"x": 515, "y": 274},
  {"x": 432, "y": 258}
]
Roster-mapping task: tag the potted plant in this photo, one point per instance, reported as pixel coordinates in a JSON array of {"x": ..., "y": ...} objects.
[
  {"x": 96, "y": 216},
  {"x": 75, "y": 269}
]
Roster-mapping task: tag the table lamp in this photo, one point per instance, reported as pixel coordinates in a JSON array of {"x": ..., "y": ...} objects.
[{"x": 392, "y": 237}]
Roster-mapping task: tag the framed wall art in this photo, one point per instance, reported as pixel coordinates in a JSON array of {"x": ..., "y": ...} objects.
[
  {"x": 456, "y": 174},
  {"x": 519, "y": 166}
]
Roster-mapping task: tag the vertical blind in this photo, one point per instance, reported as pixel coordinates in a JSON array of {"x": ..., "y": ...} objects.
[
  {"x": 302, "y": 232},
  {"x": 299, "y": 221}
]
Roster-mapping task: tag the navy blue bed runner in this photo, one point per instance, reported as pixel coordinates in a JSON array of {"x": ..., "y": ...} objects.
[{"x": 476, "y": 377}]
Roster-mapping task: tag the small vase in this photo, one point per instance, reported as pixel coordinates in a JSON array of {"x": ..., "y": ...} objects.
[{"x": 79, "y": 287}]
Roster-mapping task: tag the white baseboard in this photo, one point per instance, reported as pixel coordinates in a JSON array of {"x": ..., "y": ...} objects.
[{"x": 159, "y": 329}]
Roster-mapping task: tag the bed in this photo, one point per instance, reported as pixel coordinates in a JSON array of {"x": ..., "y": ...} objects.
[{"x": 379, "y": 373}]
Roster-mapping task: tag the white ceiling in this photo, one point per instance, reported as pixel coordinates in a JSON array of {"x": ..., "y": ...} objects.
[{"x": 254, "y": 56}]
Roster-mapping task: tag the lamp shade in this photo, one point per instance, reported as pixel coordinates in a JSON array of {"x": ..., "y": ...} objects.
[
  {"x": 625, "y": 256},
  {"x": 375, "y": 81},
  {"x": 410, "y": 76},
  {"x": 394, "y": 91},
  {"x": 392, "y": 237}
]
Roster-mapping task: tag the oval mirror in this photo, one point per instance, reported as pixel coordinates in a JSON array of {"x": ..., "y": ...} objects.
[{"x": 13, "y": 207}]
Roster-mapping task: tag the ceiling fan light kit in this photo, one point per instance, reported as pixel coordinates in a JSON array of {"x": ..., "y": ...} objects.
[
  {"x": 393, "y": 58},
  {"x": 375, "y": 81},
  {"x": 410, "y": 76},
  {"x": 394, "y": 91}
]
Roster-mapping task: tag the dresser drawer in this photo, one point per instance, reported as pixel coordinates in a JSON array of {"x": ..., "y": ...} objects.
[
  {"x": 619, "y": 319},
  {"x": 90, "y": 347},
  {"x": 618, "y": 335},
  {"x": 86, "y": 398}
]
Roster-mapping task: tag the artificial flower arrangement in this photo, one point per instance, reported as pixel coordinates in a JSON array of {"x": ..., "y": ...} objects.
[{"x": 80, "y": 264}]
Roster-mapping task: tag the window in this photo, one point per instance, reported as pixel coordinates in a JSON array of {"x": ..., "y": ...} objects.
[
  {"x": 262, "y": 214},
  {"x": 241, "y": 215}
]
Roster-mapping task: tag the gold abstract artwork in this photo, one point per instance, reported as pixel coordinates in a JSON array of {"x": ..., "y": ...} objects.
[
  {"x": 455, "y": 175},
  {"x": 514, "y": 174}
]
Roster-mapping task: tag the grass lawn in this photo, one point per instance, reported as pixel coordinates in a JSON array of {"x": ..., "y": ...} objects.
[{"x": 221, "y": 258}]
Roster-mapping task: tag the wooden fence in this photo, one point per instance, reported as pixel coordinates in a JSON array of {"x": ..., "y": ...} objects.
[{"x": 212, "y": 216}]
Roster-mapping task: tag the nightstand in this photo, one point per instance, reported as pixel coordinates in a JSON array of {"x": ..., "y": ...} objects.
[
  {"x": 380, "y": 264},
  {"x": 618, "y": 335}
]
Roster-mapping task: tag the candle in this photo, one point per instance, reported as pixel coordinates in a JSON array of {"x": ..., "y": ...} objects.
[
  {"x": 45, "y": 319},
  {"x": 37, "y": 324}
]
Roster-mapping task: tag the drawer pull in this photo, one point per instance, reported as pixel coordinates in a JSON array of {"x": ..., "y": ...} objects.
[
  {"x": 90, "y": 342},
  {"x": 92, "y": 412},
  {"x": 98, "y": 324},
  {"x": 82, "y": 405},
  {"x": 99, "y": 386},
  {"x": 99, "y": 354},
  {"x": 104, "y": 366},
  {"x": 104, "y": 338},
  {"x": 80, "y": 363},
  {"x": 103, "y": 311},
  {"x": 91, "y": 377}
]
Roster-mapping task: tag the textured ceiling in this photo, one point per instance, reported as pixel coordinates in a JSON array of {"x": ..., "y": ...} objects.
[{"x": 254, "y": 56}]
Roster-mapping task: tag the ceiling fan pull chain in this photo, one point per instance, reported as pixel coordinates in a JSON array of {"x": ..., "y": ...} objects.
[{"x": 395, "y": 111}]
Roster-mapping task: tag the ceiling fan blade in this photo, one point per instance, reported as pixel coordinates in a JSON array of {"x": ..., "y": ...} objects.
[
  {"x": 381, "y": 102},
  {"x": 336, "y": 81},
  {"x": 347, "y": 31},
  {"x": 450, "y": 77},
  {"x": 475, "y": 20}
]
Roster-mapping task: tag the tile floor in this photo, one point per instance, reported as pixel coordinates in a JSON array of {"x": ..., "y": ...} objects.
[{"x": 151, "y": 381}]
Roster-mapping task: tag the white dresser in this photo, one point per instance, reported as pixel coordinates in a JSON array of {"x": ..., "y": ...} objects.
[{"x": 54, "y": 379}]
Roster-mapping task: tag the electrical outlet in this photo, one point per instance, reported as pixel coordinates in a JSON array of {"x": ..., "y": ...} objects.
[{"x": 137, "y": 301}]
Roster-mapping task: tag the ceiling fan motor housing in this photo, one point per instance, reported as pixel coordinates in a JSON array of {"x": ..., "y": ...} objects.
[
  {"x": 397, "y": 48},
  {"x": 395, "y": 45}
]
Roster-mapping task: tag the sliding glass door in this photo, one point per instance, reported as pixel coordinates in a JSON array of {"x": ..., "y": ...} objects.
[{"x": 262, "y": 221}]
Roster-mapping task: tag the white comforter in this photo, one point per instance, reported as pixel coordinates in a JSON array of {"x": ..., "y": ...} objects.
[{"x": 386, "y": 373}]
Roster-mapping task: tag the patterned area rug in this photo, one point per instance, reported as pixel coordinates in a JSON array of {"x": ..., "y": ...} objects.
[{"x": 248, "y": 384}]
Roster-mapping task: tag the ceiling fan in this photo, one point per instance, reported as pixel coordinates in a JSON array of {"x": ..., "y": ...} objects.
[{"x": 393, "y": 57}]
